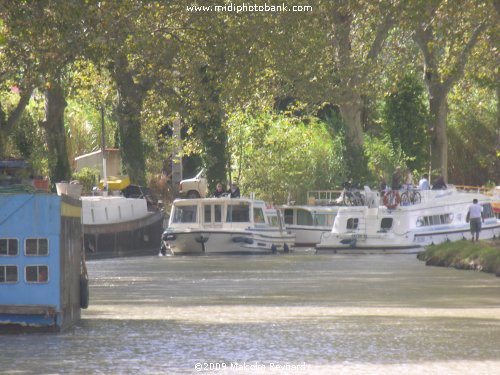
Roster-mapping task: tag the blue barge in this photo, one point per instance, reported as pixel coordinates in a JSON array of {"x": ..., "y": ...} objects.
[{"x": 43, "y": 279}]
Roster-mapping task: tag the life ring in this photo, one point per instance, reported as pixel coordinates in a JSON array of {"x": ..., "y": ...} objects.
[{"x": 392, "y": 199}]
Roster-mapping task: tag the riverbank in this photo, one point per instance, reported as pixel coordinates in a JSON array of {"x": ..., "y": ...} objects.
[{"x": 481, "y": 256}]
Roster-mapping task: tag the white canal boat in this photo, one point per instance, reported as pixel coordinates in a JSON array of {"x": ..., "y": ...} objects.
[
  {"x": 439, "y": 216},
  {"x": 225, "y": 225},
  {"x": 308, "y": 223}
]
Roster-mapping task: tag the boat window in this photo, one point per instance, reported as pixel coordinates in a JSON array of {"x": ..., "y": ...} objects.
[
  {"x": 288, "y": 216},
  {"x": 324, "y": 220},
  {"x": 352, "y": 223},
  {"x": 8, "y": 274},
  {"x": 330, "y": 219},
  {"x": 9, "y": 246},
  {"x": 217, "y": 213},
  {"x": 304, "y": 218},
  {"x": 238, "y": 213},
  {"x": 386, "y": 223},
  {"x": 36, "y": 246},
  {"x": 185, "y": 214},
  {"x": 446, "y": 218},
  {"x": 37, "y": 274},
  {"x": 208, "y": 214},
  {"x": 488, "y": 211},
  {"x": 319, "y": 219},
  {"x": 434, "y": 220},
  {"x": 258, "y": 216},
  {"x": 273, "y": 221}
]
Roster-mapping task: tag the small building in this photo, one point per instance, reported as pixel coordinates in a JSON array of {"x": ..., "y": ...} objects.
[
  {"x": 43, "y": 281},
  {"x": 94, "y": 160}
]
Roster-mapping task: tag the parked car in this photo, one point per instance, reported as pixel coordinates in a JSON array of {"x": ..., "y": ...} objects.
[{"x": 195, "y": 187}]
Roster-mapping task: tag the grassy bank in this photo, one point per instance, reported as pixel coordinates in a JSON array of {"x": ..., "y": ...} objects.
[{"x": 482, "y": 256}]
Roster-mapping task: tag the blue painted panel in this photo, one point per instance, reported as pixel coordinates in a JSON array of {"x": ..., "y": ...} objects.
[{"x": 31, "y": 216}]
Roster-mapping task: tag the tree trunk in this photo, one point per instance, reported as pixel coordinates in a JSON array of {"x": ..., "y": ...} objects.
[
  {"x": 129, "y": 122},
  {"x": 439, "y": 140},
  {"x": 55, "y": 133},
  {"x": 8, "y": 124},
  {"x": 351, "y": 114},
  {"x": 356, "y": 162},
  {"x": 210, "y": 129}
]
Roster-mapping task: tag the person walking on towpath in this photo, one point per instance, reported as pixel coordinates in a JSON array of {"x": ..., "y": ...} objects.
[{"x": 475, "y": 216}]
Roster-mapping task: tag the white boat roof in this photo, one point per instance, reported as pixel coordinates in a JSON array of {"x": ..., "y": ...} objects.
[
  {"x": 221, "y": 199},
  {"x": 311, "y": 208}
]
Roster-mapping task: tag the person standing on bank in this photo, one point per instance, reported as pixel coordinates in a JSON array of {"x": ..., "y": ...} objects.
[{"x": 475, "y": 216}]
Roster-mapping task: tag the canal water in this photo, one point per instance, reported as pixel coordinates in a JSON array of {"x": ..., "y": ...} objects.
[{"x": 297, "y": 314}]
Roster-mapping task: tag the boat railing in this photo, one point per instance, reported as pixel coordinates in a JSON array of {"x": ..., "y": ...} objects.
[
  {"x": 474, "y": 189},
  {"x": 323, "y": 197}
]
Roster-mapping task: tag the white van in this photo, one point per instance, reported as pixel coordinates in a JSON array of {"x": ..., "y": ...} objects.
[{"x": 195, "y": 187}]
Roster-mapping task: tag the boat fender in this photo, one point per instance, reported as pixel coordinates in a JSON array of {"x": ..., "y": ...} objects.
[
  {"x": 169, "y": 237},
  {"x": 274, "y": 250},
  {"x": 201, "y": 239},
  {"x": 243, "y": 239},
  {"x": 163, "y": 250},
  {"x": 286, "y": 249},
  {"x": 392, "y": 199},
  {"x": 84, "y": 291}
]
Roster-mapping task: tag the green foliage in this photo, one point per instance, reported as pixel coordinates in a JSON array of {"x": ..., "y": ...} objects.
[
  {"x": 405, "y": 120},
  {"x": 465, "y": 254},
  {"x": 277, "y": 156},
  {"x": 27, "y": 139},
  {"x": 344, "y": 53},
  {"x": 473, "y": 136},
  {"x": 88, "y": 177},
  {"x": 383, "y": 157}
]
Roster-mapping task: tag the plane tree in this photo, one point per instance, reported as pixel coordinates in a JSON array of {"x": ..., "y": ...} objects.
[{"x": 447, "y": 33}]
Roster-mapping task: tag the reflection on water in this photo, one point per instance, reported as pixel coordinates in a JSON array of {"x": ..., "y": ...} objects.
[{"x": 328, "y": 314}]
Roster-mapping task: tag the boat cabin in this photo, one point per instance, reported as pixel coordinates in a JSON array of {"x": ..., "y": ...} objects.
[
  {"x": 223, "y": 212},
  {"x": 40, "y": 262}
]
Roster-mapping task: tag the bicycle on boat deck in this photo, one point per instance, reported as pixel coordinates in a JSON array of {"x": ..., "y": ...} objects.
[{"x": 410, "y": 196}]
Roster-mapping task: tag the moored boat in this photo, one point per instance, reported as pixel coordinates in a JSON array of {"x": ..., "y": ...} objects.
[
  {"x": 43, "y": 279},
  {"x": 308, "y": 222},
  {"x": 225, "y": 225},
  {"x": 120, "y": 226},
  {"x": 439, "y": 216}
]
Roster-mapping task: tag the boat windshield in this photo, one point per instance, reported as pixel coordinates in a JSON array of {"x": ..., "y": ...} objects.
[
  {"x": 288, "y": 216},
  {"x": 258, "y": 216},
  {"x": 273, "y": 221},
  {"x": 184, "y": 214},
  {"x": 304, "y": 217},
  {"x": 238, "y": 213}
]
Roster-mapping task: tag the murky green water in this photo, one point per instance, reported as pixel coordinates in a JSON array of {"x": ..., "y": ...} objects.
[{"x": 324, "y": 314}]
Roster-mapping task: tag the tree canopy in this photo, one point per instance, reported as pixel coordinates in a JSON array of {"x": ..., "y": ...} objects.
[{"x": 354, "y": 87}]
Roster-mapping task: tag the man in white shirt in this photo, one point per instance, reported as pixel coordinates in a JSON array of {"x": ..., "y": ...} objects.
[
  {"x": 475, "y": 216},
  {"x": 423, "y": 184}
]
